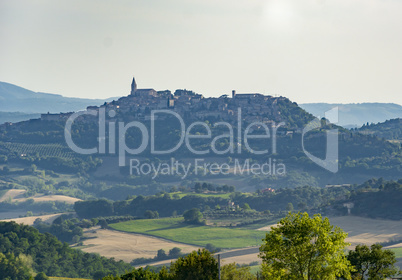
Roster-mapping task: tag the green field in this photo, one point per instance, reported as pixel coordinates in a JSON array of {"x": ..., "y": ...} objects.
[
  {"x": 397, "y": 251},
  {"x": 174, "y": 229}
]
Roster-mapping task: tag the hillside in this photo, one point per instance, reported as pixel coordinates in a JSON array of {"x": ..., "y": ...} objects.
[
  {"x": 42, "y": 142},
  {"x": 17, "y": 99},
  {"x": 53, "y": 257},
  {"x": 390, "y": 129},
  {"x": 355, "y": 115}
]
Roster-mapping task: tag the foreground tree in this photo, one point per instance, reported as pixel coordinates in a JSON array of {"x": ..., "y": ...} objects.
[
  {"x": 301, "y": 247},
  {"x": 372, "y": 263},
  {"x": 198, "y": 265}
]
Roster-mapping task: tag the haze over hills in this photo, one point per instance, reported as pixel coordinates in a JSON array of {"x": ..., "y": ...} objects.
[
  {"x": 17, "y": 99},
  {"x": 355, "y": 115},
  {"x": 18, "y": 104},
  {"x": 14, "y": 117}
]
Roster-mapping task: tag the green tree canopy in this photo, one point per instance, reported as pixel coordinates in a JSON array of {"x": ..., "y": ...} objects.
[
  {"x": 232, "y": 272},
  {"x": 14, "y": 268},
  {"x": 372, "y": 263},
  {"x": 41, "y": 276},
  {"x": 198, "y": 265},
  {"x": 193, "y": 216},
  {"x": 245, "y": 206},
  {"x": 301, "y": 247}
]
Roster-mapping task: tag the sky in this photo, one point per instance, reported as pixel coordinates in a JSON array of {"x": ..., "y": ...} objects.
[{"x": 335, "y": 51}]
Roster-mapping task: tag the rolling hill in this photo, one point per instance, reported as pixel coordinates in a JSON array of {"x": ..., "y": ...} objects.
[
  {"x": 355, "y": 115},
  {"x": 17, "y": 103},
  {"x": 390, "y": 129}
]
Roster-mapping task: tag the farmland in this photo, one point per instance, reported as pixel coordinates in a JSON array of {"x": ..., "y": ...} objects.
[
  {"x": 176, "y": 230},
  {"x": 127, "y": 246},
  {"x": 49, "y": 150},
  {"x": 397, "y": 251},
  {"x": 30, "y": 220}
]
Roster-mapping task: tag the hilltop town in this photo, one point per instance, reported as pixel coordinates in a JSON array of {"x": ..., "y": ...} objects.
[{"x": 255, "y": 107}]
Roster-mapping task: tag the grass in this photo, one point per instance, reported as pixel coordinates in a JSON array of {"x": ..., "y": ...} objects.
[
  {"x": 397, "y": 251},
  {"x": 174, "y": 229}
]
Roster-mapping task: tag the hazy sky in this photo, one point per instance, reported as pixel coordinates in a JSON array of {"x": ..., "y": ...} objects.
[{"x": 307, "y": 50}]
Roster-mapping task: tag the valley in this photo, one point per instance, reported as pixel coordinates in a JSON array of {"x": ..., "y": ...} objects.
[{"x": 167, "y": 207}]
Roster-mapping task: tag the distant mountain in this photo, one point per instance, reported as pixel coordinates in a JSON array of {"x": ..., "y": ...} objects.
[
  {"x": 355, "y": 115},
  {"x": 17, "y": 99},
  {"x": 17, "y": 116}
]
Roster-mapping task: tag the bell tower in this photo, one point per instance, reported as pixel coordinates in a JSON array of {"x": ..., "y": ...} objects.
[{"x": 133, "y": 87}]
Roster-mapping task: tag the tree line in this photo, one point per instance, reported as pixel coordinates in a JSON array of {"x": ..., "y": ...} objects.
[{"x": 303, "y": 198}]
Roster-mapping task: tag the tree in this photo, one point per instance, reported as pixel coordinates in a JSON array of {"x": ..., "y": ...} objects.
[
  {"x": 302, "y": 206},
  {"x": 14, "y": 268},
  {"x": 151, "y": 214},
  {"x": 212, "y": 248},
  {"x": 175, "y": 252},
  {"x": 192, "y": 216},
  {"x": 103, "y": 224},
  {"x": 161, "y": 254},
  {"x": 44, "y": 253},
  {"x": 198, "y": 187},
  {"x": 41, "y": 276},
  {"x": 289, "y": 207},
  {"x": 246, "y": 207},
  {"x": 6, "y": 170},
  {"x": 232, "y": 272},
  {"x": 301, "y": 247},
  {"x": 141, "y": 273},
  {"x": 76, "y": 239},
  {"x": 198, "y": 265},
  {"x": 372, "y": 262}
]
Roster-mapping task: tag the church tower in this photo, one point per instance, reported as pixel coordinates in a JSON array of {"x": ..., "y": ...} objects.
[{"x": 133, "y": 87}]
